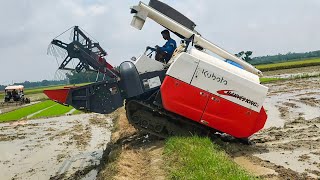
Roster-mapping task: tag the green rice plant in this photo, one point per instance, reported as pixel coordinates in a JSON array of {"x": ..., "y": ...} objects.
[
  {"x": 56, "y": 110},
  {"x": 199, "y": 158},
  {"x": 77, "y": 112},
  {"x": 25, "y": 111},
  {"x": 300, "y": 76},
  {"x": 289, "y": 65},
  {"x": 267, "y": 80},
  {"x": 304, "y": 75}
]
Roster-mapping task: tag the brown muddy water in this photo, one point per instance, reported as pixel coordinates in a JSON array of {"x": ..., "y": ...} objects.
[{"x": 60, "y": 147}]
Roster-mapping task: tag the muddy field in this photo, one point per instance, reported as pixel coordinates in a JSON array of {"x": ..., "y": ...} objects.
[
  {"x": 74, "y": 147},
  {"x": 289, "y": 145},
  {"x": 54, "y": 148}
]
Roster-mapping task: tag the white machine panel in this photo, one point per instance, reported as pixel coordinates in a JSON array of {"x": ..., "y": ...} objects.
[
  {"x": 226, "y": 66},
  {"x": 183, "y": 67},
  {"x": 220, "y": 78},
  {"x": 229, "y": 82},
  {"x": 145, "y": 64}
]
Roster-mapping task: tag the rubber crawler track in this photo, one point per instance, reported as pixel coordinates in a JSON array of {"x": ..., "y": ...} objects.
[{"x": 159, "y": 122}]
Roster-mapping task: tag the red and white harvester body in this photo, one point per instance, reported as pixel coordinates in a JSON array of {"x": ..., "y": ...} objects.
[{"x": 194, "y": 93}]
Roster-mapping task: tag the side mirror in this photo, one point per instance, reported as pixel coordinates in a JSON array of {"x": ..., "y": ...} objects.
[{"x": 133, "y": 58}]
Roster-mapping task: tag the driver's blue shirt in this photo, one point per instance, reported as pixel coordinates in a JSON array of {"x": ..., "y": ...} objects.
[{"x": 169, "y": 48}]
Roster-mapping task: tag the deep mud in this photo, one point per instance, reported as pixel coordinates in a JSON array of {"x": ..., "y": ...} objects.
[
  {"x": 289, "y": 144},
  {"x": 67, "y": 147}
]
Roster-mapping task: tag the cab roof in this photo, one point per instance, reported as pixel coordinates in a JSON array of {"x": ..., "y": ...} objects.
[{"x": 16, "y": 87}]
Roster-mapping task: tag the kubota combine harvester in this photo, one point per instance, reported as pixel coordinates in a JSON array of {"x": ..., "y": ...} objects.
[{"x": 194, "y": 93}]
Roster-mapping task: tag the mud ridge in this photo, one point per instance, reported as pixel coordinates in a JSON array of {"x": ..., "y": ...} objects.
[
  {"x": 76, "y": 175},
  {"x": 131, "y": 154}
]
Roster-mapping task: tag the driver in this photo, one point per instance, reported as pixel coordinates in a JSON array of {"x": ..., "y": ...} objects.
[{"x": 165, "y": 52}]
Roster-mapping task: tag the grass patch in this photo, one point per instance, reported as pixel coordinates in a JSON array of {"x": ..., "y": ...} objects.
[
  {"x": 301, "y": 76},
  {"x": 199, "y": 158},
  {"x": 267, "y": 80},
  {"x": 56, "y": 110},
  {"x": 77, "y": 112},
  {"x": 289, "y": 65},
  {"x": 25, "y": 111}
]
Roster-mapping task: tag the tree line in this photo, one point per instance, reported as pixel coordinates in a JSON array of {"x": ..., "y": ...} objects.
[
  {"x": 28, "y": 84},
  {"x": 284, "y": 57},
  {"x": 71, "y": 78}
]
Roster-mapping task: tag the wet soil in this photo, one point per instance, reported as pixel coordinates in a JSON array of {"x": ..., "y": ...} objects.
[
  {"x": 289, "y": 144},
  {"x": 67, "y": 147},
  {"x": 132, "y": 155},
  {"x": 287, "y": 73}
]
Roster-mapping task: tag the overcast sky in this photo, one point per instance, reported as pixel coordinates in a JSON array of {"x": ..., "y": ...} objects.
[{"x": 265, "y": 27}]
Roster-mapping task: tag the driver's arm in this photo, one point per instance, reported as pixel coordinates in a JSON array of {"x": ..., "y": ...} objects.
[{"x": 168, "y": 47}]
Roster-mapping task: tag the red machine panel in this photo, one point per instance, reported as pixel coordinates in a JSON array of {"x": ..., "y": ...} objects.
[
  {"x": 59, "y": 95},
  {"x": 183, "y": 99},
  {"x": 232, "y": 118},
  {"x": 216, "y": 112}
]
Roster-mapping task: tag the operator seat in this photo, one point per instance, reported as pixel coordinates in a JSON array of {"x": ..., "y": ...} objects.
[{"x": 177, "y": 51}]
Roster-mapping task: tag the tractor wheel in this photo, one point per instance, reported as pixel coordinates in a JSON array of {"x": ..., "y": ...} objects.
[{"x": 27, "y": 100}]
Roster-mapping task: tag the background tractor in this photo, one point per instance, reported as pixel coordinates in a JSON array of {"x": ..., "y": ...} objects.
[{"x": 15, "y": 94}]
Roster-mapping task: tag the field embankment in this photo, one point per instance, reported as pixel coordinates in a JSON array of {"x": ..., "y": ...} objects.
[
  {"x": 199, "y": 158},
  {"x": 132, "y": 155}
]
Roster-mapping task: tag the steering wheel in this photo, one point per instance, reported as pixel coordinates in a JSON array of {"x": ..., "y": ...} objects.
[{"x": 152, "y": 50}]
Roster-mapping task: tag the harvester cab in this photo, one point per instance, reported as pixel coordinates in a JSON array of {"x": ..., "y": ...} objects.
[
  {"x": 194, "y": 93},
  {"x": 15, "y": 94}
]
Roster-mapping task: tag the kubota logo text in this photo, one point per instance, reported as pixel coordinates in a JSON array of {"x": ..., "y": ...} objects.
[
  {"x": 211, "y": 75},
  {"x": 232, "y": 93}
]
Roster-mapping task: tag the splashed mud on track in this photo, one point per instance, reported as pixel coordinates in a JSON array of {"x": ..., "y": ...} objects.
[{"x": 60, "y": 147}]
